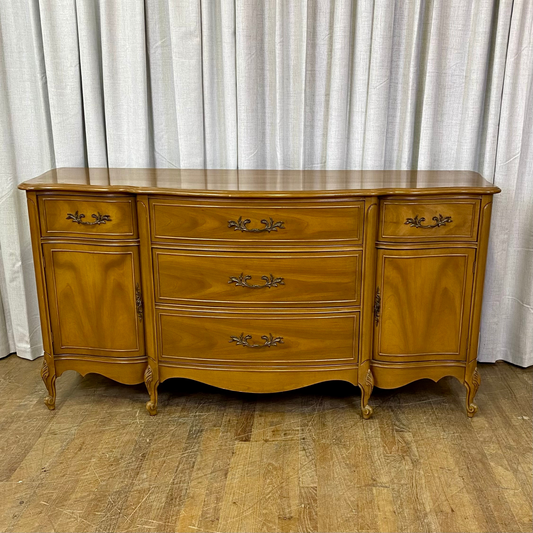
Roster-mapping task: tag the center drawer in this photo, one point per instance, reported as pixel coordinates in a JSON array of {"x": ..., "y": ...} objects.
[
  {"x": 257, "y": 222},
  {"x": 258, "y": 279},
  {"x": 281, "y": 340}
]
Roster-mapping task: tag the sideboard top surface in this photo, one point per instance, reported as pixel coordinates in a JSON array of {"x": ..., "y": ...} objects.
[{"x": 261, "y": 183}]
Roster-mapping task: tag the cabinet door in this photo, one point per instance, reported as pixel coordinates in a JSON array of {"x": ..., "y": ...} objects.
[
  {"x": 424, "y": 304},
  {"x": 92, "y": 293}
]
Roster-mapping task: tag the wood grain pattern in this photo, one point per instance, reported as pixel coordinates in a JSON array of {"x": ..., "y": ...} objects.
[
  {"x": 479, "y": 279},
  {"x": 316, "y": 278},
  {"x": 368, "y": 300},
  {"x": 393, "y": 375},
  {"x": 48, "y": 373},
  {"x": 463, "y": 214},
  {"x": 151, "y": 372},
  {"x": 296, "y": 461},
  {"x": 120, "y": 209},
  {"x": 93, "y": 306},
  {"x": 425, "y": 304},
  {"x": 297, "y": 223},
  {"x": 127, "y": 370},
  {"x": 188, "y": 338},
  {"x": 355, "y": 292},
  {"x": 264, "y": 380},
  {"x": 262, "y": 183},
  {"x": 471, "y": 379}
]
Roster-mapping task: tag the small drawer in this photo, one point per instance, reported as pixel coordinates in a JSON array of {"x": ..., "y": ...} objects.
[
  {"x": 251, "y": 339},
  {"x": 429, "y": 219},
  {"x": 262, "y": 279},
  {"x": 257, "y": 223},
  {"x": 88, "y": 216}
]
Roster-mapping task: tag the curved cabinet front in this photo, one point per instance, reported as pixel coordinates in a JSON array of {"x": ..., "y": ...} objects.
[
  {"x": 329, "y": 278},
  {"x": 93, "y": 291},
  {"x": 275, "y": 281},
  {"x": 257, "y": 340},
  {"x": 426, "y": 297}
]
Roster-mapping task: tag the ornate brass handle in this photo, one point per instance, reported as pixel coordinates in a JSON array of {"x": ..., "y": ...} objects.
[
  {"x": 99, "y": 219},
  {"x": 242, "y": 281},
  {"x": 139, "y": 301},
  {"x": 439, "y": 221},
  {"x": 269, "y": 341},
  {"x": 270, "y": 225},
  {"x": 377, "y": 306}
]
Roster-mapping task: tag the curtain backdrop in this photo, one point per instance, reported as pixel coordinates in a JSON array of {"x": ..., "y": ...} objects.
[{"x": 316, "y": 84}]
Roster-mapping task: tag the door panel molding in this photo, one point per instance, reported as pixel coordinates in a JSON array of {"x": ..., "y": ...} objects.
[
  {"x": 418, "y": 288},
  {"x": 91, "y": 287}
]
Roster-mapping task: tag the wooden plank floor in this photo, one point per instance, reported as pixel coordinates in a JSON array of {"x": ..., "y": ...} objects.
[{"x": 217, "y": 461}]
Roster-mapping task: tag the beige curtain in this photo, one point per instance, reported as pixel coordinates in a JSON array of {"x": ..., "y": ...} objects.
[{"x": 272, "y": 84}]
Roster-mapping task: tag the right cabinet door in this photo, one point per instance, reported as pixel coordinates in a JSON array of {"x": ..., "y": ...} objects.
[{"x": 423, "y": 300}]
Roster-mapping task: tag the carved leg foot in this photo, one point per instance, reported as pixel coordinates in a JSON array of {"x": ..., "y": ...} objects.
[
  {"x": 151, "y": 385},
  {"x": 151, "y": 407},
  {"x": 366, "y": 411},
  {"x": 366, "y": 391},
  {"x": 472, "y": 386},
  {"x": 48, "y": 375}
]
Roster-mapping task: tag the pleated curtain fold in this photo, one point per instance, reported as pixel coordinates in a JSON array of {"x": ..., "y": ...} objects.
[{"x": 279, "y": 84}]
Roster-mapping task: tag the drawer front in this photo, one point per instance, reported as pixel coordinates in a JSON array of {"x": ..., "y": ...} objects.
[
  {"x": 247, "y": 339},
  {"x": 88, "y": 216},
  {"x": 426, "y": 220},
  {"x": 282, "y": 278},
  {"x": 257, "y": 223}
]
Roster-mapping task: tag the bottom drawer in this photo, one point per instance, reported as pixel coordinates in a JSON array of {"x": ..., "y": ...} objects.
[{"x": 238, "y": 338}]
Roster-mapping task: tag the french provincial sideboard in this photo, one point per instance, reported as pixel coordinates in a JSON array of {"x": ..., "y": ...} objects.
[{"x": 260, "y": 281}]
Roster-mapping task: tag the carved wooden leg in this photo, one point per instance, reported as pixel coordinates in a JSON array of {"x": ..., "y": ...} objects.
[
  {"x": 366, "y": 391},
  {"x": 472, "y": 385},
  {"x": 48, "y": 374},
  {"x": 151, "y": 385}
]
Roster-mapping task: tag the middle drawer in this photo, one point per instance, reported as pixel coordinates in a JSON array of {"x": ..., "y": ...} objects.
[{"x": 257, "y": 279}]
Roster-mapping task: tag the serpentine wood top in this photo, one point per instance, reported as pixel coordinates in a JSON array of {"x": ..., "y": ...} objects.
[{"x": 261, "y": 183}]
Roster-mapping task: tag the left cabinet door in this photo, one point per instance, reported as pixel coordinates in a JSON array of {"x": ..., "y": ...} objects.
[{"x": 95, "y": 299}]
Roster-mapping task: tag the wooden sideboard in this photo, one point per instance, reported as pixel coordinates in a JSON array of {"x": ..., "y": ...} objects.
[{"x": 260, "y": 281}]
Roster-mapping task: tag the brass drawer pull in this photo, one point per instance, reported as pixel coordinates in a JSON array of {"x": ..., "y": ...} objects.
[
  {"x": 242, "y": 281},
  {"x": 270, "y": 225},
  {"x": 99, "y": 219},
  {"x": 269, "y": 341},
  {"x": 439, "y": 221}
]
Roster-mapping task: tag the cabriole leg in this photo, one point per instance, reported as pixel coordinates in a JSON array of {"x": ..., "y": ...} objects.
[
  {"x": 151, "y": 385},
  {"x": 48, "y": 375},
  {"x": 366, "y": 391},
  {"x": 472, "y": 385}
]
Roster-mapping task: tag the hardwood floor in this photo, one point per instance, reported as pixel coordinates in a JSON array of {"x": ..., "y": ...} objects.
[{"x": 217, "y": 461}]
